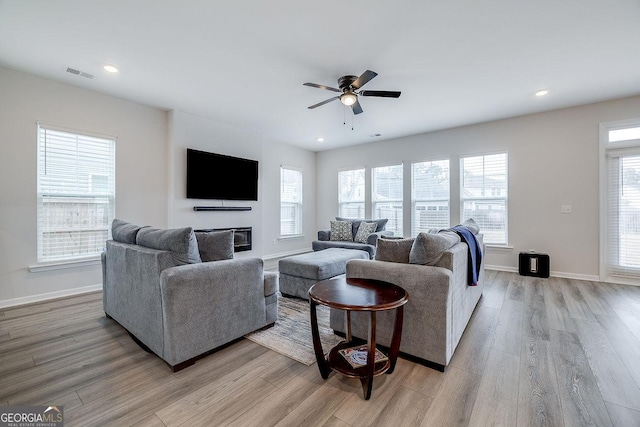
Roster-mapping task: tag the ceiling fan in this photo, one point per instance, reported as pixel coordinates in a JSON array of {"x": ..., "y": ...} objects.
[{"x": 350, "y": 89}]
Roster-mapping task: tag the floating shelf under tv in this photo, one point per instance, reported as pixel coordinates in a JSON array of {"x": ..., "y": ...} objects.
[{"x": 222, "y": 208}]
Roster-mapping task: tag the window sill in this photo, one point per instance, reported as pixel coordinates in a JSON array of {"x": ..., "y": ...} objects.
[
  {"x": 501, "y": 248},
  {"x": 293, "y": 236},
  {"x": 62, "y": 265}
]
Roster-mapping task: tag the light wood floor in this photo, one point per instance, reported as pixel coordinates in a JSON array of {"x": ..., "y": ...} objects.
[{"x": 537, "y": 352}]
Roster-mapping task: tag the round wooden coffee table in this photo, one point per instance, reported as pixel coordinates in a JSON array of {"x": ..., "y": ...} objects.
[{"x": 357, "y": 295}]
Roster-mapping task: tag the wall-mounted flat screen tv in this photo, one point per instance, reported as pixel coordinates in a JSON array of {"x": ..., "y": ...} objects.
[{"x": 216, "y": 176}]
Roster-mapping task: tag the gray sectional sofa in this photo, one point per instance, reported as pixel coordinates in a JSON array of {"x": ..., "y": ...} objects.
[
  {"x": 433, "y": 268},
  {"x": 183, "y": 295},
  {"x": 326, "y": 240}
]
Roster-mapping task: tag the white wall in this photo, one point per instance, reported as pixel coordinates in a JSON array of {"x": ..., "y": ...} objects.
[
  {"x": 141, "y": 178},
  {"x": 553, "y": 160},
  {"x": 190, "y": 131}
]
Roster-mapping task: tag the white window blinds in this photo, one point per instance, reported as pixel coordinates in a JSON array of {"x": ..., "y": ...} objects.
[
  {"x": 622, "y": 202},
  {"x": 430, "y": 196},
  {"x": 351, "y": 193},
  {"x": 76, "y": 194},
  {"x": 290, "y": 202},
  {"x": 387, "y": 196},
  {"x": 483, "y": 194}
]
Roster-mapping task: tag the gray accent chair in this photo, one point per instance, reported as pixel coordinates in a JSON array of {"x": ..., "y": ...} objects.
[
  {"x": 440, "y": 304},
  {"x": 177, "y": 306},
  {"x": 324, "y": 237}
]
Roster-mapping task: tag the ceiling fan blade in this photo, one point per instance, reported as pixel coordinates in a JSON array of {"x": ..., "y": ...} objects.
[
  {"x": 381, "y": 93},
  {"x": 323, "y": 102},
  {"x": 363, "y": 79},
  {"x": 322, "y": 87},
  {"x": 357, "y": 109}
]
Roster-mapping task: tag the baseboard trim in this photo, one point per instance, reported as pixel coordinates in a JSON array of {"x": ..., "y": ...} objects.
[
  {"x": 561, "y": 274},
  {"x": 32, "y": 299}
]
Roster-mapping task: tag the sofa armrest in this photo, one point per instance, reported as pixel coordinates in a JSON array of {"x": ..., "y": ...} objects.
[
  {"x": 324, "y": 235},
  {"x": 209, "y": 304},
  {"x": 373, "y": 237},
  {"x": 428, "y": 315}
]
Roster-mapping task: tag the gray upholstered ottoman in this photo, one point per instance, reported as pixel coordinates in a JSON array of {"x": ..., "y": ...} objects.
[{"x": 299, "y": 272}]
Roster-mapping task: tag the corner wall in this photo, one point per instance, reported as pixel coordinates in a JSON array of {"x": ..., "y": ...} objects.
[
  {"x": 190, "y": 131},
  {"x": 553, "y": 161}
]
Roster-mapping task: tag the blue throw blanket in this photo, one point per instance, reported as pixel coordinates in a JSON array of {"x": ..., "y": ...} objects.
[{"x": 475, "y": 253}]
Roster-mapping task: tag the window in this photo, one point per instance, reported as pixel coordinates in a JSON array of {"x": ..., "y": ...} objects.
[
  {"x": 351, "y": 193},
  {"x": 622, "y": 201},
  {"x": 429, "y": 196},
  {"x": 387, "y": 196},
  {"x": 290, "y": 202},
  {"x": 76, "y": 194},
  {"x": 483, "y": 194}
]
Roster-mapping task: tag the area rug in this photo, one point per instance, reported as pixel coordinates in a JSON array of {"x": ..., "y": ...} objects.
[{"x": 291, "y": 335}]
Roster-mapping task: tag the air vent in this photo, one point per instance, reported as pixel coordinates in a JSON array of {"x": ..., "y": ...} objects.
[
  {"x": 79, "y": 73},
  {"x": 375, "y": 135}
]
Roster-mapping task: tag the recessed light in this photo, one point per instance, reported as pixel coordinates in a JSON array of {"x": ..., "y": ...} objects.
[
  {"x": 320, "y": 139},
  {"x": 542, "y": 92},
  {"x": 110, "y": 69}
]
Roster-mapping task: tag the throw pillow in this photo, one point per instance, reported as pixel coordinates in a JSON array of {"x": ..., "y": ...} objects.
[
  {"x": 341, "y": 231},
  {"x": 124, "y": 232},
  {"x": 427, "y": 248},
  {"x": 381, "y": 223},
  {"x": 394, "y": 250},
  {"x": 215, "y": 245},
  {"x": 181, "y": 242},
  {"x": 471, "y": 225},
  {"x": 364, "y": 230}
]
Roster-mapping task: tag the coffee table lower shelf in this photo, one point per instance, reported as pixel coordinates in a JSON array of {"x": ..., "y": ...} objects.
[{"x": 338, "y": 363}]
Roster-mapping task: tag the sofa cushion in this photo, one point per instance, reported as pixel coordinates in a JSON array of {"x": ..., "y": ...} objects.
[
  {"x": 355, "y": 223},
  {"x": 394, "y": 250},
  {"x": 320, "y": 245},
  {"x": 427, "y": 248},
  {"x": 364, "y": 230},
  {"x": 124, "y": 232},
  {"x": 341, "y": 231},
  {"x": 215, "y": 245},
  {"x": 181, "y": 242}
]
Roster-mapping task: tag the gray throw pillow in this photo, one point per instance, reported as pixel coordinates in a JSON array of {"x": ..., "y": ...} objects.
[
  {"x": 215, "y": 245},
  {"x": 427, "y": 248},
  {"x": 394, "y": 250},
  {"x": 341, "y": 231},
  {"x": 381, "y": 223},
  {"x": 181, "y": 242},
  {"x": 124, "y": 232},
  {"x": 364, "y": 230},
  {"x": 471, "y": 225}
]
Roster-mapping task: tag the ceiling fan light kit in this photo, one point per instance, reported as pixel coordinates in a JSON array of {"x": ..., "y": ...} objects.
[
  {"x": 348, "y": 98},
  {"x": 349, "y": 87}
]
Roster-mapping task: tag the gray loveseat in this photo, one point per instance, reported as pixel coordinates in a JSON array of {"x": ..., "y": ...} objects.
[
  {"x": 441, "y": 301},
  {"x": 326, "y": 241},
  {"x": 156, "y": 285}
]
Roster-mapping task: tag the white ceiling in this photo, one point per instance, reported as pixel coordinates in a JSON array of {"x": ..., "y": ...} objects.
[{"x": 243, "y": 63}]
